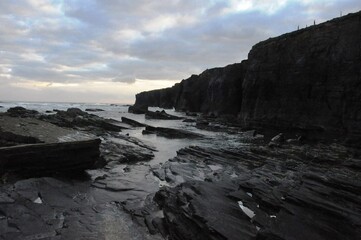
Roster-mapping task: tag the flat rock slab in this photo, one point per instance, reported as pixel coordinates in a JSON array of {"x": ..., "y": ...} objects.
[
  {"x": 41, "y": 130},
  {"x": 31, "y": 146},
  {"x": 171, "y": 133}
]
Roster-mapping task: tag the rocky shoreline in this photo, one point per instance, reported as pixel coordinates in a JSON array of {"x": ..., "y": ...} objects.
[
  {"x": 272, "y": 152},
  {"x": 252, "y": 189},
  {"x": 299, "y": 184}
]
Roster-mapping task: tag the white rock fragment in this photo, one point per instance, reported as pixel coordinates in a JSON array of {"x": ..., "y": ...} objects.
[
  {"x": 246, "y": 210},
  {"x": 38, "y": 200}
]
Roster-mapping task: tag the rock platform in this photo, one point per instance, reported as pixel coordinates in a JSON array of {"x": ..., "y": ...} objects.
[{"x": 30, "y": 145}]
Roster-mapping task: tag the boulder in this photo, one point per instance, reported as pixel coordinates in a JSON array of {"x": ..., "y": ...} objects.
[
  {"x": 138, "y": 109},
  {"x": 161, "y": 115},
  {"x": 21, "y": 112}
]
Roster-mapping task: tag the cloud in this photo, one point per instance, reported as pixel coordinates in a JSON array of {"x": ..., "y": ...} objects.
[{"x": 56, "y": 49}]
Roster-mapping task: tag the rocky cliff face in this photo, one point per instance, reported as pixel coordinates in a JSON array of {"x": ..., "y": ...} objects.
[
  {"x": 307, "y": 80},
  {"x": 164, "y": 98},
  {"x": 217, "y": 90}
]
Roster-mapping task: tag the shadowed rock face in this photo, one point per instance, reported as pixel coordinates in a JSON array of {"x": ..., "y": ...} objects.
[
  {"x": 217, "y": 90},
  {"x": 307, "y": 80},
  {"x": 164, "y": 98}
]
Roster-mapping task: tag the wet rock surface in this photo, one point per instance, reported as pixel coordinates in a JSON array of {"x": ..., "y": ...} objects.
[
  {"x": 76, "y": 118},
  {"x": 132, "y": 122},
  {"x": 160, "y": 115},
  {"x": 241, "y": 188},
  {"x": 188, "y": 217},
  {"x": 48, "y": 208},
  {"x": 289, "y": 192},
  {"x": 170, "y": 132},
  {"x": 72, "y": 204}
]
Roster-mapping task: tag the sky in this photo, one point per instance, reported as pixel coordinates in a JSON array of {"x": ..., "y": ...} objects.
[{"x": 106, "y": 51}]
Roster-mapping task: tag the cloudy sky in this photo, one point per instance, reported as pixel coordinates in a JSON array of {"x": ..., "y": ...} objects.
[{"x": 108, "y": 50}]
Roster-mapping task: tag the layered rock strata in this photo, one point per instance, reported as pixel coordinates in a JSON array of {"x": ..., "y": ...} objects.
[{"x": 290, "y": 192}]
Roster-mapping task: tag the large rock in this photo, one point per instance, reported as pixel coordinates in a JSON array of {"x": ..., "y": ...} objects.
[
  {"x": 132, "y": 122},
  {"x": 76, "y": 118},
  {"x": 137, "y": 109},
  {"x": 21, "y": 112},
  {"x": 36, "y": 159},
  {"x": 161, "y": 115},
  {"x": 34, "y": 147}
]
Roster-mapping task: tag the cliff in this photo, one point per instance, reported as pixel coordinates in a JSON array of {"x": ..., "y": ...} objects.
[
  {"x": 305, "y": 80},
  {"x": 309, "y": 79},
  {"x": 217, "y": 90}
]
